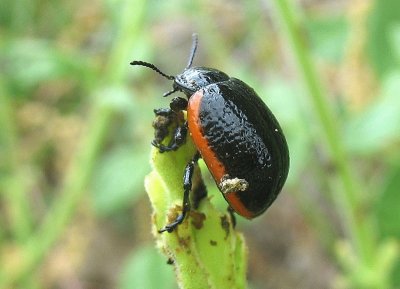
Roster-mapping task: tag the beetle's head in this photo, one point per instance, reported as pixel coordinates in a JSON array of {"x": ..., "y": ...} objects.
[{"x": 192, "y": 78}]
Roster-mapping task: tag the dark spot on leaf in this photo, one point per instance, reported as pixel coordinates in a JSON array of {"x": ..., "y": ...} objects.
[
  {"x": 197, "y": 219},
  {"x": 170, "y": 261},
  {"x": 184, "y": 242},
  {"x": 213, "y": 243}
]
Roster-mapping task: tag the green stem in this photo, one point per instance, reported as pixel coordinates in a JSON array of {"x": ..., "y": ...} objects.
[
  {"x": 12, "y": 183},
  {"x": 130, "y": 26},
  {"x": 80, "y": 171},
  {"x": 205, "y": 249},
  {"x": 349, "y": 201}
]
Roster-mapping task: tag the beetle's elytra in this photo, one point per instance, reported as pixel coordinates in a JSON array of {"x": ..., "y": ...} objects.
[{"x": 235, "y": 133}]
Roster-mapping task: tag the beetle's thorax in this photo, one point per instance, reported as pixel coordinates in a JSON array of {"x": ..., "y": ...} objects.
[{"x": 195, "y": 78}]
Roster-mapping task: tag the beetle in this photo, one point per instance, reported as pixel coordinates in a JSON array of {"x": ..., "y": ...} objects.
[{"x": 235, "y": 133}]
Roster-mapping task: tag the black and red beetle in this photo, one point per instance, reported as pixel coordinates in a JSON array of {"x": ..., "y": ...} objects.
[{"x": 235, "y": 133}]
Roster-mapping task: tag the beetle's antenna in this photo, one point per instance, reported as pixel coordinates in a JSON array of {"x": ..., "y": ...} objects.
[
  {"x": 195, "y": 41},
  {"x": 152, "y": 66}
]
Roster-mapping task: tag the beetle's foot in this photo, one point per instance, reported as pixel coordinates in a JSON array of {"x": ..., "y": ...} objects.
[
  {"x": 171, "y": 227},
  {"x": 163, "y": 148}
]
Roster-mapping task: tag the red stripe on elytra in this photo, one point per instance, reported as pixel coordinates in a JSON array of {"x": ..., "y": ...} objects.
[{"x": 214, "y": 165}]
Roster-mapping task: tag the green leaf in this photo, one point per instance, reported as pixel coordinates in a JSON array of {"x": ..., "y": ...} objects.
[
  {"x": 147, "y": 269},
  {"x": 30, "y": 62},
  {"x": 118, "y": 179},
  {"x": 327, "y": 35},
  {"x": 384, "y": 17},
  {"x": 374, "y": 274},
  {"x": 379, "y": 126},
  {"x": 388, "y": 206},
  {"x": 287, "y": 103},
  {"x": 388, "y": 214}
]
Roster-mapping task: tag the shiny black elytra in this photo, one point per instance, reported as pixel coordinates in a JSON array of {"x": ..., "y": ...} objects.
[{"x": 235, "y": 133}]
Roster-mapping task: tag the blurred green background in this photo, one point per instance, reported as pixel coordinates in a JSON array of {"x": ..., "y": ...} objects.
[{"x": 75, "y": 132}]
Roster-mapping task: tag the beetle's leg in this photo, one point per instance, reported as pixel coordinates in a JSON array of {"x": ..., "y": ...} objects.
[
  {"x": 178, "y": 104},
  {"x": 232, "y": 215},
  {"x": 165, "y": 118},
  {"x": 172, "y": 115},
  {"x": 177, "y": 140},
  {"x": 187, "y": 186},
  {"x": 199, "y": 192}
]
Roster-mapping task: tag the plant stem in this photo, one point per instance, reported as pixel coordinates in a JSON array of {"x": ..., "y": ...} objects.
[
  {"x": 206, "y": 250},
  {"x": 12, "y": 182},
  {"x": 349, "y": 200}
]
